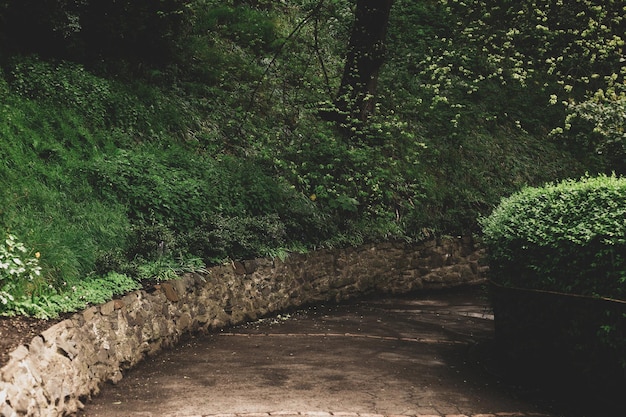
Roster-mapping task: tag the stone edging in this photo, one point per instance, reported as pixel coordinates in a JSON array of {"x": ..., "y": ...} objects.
[
  {"x": 353, "y": 414},
  {"x": 68, "y": 363}
]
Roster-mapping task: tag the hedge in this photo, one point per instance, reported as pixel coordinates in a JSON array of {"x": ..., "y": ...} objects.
[{"x": 568, "y": 237}]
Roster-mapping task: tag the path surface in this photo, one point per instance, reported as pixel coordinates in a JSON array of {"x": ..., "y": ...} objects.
[{"x": 422, "y": 356}]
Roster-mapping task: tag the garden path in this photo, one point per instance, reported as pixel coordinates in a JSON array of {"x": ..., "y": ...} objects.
[{"x": 425, "y": 355}]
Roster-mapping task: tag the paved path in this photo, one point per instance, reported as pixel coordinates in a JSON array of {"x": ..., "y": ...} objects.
[{"x": 428, "y": 355}]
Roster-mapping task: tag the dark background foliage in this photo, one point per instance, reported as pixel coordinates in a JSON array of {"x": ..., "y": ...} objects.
[{"x": 95, "y": 31}]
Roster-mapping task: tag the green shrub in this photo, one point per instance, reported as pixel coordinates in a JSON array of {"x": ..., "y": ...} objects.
[
  {"x": 246, "y": 26},
  {"x": 65, "y": 84},
  {"x": 213, "y": 208},
  {"x": 91, "y": 290},
  {"x": 163, "y": 185},
  {"x": 349, "y": 180},
  {"x": 4, "y": 86},
  {"x": 18, "y": 270},
  {"x": 568, "y": 237}
]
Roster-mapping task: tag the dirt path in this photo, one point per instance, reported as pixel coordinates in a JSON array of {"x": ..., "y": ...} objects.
[{"x": 423, "y": 356}]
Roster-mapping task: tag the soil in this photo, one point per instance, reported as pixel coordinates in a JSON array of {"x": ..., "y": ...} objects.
[{"x": 15, "y": 331}]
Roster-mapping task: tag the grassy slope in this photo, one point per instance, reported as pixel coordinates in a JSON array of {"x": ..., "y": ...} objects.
[{"x": 148, "y": 177}]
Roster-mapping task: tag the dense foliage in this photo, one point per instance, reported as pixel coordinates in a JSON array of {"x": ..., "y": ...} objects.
[
  {"x": 570, "y": 53},
  {"x": 143, "y": 138},
  {"x": 568, "y": 237}
]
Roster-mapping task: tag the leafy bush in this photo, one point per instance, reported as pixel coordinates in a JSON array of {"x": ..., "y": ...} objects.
[
  {"x": 606, "y": 113},
  {"x": 65, "y": 84},
  {"x": 133, "y": 108},
  {"x": 51, "y": 303},
  {"x": 377, "y": 177},
  {"x": 18, "y": 270},
  {"x": 244, "y": 25},
  {"x": 158, "y": 185},
  {"x": 212, "y": 208},
  {"x": 568, "y": 237}
]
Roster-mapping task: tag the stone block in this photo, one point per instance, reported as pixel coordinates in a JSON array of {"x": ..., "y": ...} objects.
[
  {"x": 181, "y": 286},
  {"x": 250, "y": 266},
  {"x": 19, "y": 353},
  {"x": 108, "y": 308},
  {"x": 37, "y": 347},
  {"x": 170, "y": 293},
  {"x": 56, "y": 332},
  {"x": 6, "y": 410},
  {"x": 54, "y": 386},
  {"x": 201, "y": 279},
  {"x": 452, "y": 278},
  {"x": 116, "y": 376},
  {"x": 427, "y": 244},
  {"x": 437, "y": 260},
  {"x": 67, "y": 347},
  {"x": 184, "y": 322},
  {"x": 89, "y": 313},
  {"x": 238, "y": 268},
  {"x": 135, "y": 320},
  {"x": 21, "y": 405},
  {"x": 102, "y": 356},
  {"x": 132, "y": 298}
]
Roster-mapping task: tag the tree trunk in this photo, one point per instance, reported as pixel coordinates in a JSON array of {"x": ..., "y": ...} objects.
[{"x": 366, "y": 54}]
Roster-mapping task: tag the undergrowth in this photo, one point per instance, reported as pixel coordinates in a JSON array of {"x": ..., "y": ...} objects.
[{"x": 117, "y": 173}]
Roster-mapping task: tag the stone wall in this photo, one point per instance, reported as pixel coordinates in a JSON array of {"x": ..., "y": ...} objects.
[{"x": 65, "y": 365}]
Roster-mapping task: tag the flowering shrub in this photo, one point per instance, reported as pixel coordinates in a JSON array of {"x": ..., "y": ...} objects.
[
  {"x": 606, "y": 111},
  {"x": 17, "y": 268}
]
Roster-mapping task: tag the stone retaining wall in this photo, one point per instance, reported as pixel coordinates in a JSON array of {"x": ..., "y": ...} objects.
[{"x": 65, "y": 365}]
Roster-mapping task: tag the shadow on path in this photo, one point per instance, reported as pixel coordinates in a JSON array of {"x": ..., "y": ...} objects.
[{"x": 421, "y": 355}]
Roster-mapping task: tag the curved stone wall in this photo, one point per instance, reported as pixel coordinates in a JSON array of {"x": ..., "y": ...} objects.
[{"x": 68, "y": 363}]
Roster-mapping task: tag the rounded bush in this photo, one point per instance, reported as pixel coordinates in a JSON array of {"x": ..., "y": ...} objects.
[{"x": 568, "y": 237}]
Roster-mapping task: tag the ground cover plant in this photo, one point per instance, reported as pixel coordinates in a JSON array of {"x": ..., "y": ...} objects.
[{"x": 125, "y": 165}]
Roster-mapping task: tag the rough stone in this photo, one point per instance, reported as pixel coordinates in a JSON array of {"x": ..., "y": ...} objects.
[
  {"x": 184, "y": 322},
  {"x": 18, "y": 354},
  {"x": 250, "y": 266},
  {"x": 107, "y": 308},
  {"x": 67, "y": 347},
  {"x": 89, "y": 313},
  {"x": 55, "y": 332},
  {"x": 36, "y": 346},
  {"x": 6, "y": 410},
  {"x": 239, "y": 268},
  {"x": 72, "y": 359},
  {"x": 170, "y": 293}
]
